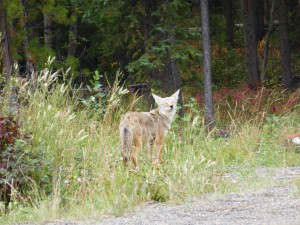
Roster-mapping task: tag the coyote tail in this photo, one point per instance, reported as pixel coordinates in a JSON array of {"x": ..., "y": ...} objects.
[{"x": 126, "y": 142}]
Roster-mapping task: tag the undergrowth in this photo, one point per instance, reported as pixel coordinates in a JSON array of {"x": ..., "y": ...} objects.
[{"x": 81, "y": 172}]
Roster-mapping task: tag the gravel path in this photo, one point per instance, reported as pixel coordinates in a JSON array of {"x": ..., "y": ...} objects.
[
  {"x": 272, "y": 205},
  {"x": 277, "y": 204}
]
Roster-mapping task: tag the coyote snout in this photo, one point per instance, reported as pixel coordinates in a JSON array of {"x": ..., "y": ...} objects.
[{"x": 150, "y": 127}]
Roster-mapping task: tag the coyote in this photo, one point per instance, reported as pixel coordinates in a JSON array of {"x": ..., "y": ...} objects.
[{"x": 151, "y": 127}]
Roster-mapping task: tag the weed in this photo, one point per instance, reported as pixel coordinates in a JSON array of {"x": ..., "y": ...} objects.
[{"x": 296, "y": 183}]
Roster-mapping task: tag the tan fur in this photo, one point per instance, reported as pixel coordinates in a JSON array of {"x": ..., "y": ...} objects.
[{"x": 150, "y": 127}]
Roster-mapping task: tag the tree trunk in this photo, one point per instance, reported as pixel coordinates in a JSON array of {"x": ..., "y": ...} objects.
[
  {"x": 258, "y": 8},
  {"x": 229, "y": 22},
  {"x": 208, "y": 97},
  {"x": 250, "y": 43},
  {"x": 284, "y": 46},
  {"x": 146, "y": 28},
  {"x": 72, "y": 34},
  {"x": 267, "y": 7},
  {"x": 29, "y": 66},
  {"x": 266, "y": 49},
  {"x": 6, "y": 58},
  {"x": 48, "y": 29},
  {"x": 176, "y": 78}
]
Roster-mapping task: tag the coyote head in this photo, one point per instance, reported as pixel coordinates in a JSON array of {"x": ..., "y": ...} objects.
[{"x": 168, "y": 105}]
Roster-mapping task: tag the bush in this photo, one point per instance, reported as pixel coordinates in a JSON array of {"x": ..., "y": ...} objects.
[
  {"x": 17, "y": 162},
  {"x": 228, "y": 66}
]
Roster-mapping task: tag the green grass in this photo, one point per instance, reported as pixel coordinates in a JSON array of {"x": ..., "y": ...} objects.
[{"x": 82, "y": 172}]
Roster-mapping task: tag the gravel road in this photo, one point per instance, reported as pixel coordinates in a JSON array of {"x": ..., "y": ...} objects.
[{"x": 275, "y": 204}]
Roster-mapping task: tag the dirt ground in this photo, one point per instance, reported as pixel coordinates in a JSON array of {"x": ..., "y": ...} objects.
[{"x": 278, "y": 203}]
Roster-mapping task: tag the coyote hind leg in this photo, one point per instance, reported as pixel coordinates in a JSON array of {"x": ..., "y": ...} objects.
[
  {"x": 125, "y": 162},
  {"x": 137, "y": 146}
]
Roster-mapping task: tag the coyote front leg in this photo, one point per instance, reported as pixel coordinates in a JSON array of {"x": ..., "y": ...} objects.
[
  {"x": 158, "y": 145},
  {"x": 150, "y": 148}
]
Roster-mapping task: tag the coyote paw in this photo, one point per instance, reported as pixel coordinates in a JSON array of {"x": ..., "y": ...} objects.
[
  {"x": 156, "y": 163},
  {"x": 136, "y": 169}
]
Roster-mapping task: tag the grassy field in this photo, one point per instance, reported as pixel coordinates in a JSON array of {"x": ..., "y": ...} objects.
[{"x": 81, "y": 172}]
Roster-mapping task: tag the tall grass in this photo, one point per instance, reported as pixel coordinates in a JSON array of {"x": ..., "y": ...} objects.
[{"x": 82, "y": 172}]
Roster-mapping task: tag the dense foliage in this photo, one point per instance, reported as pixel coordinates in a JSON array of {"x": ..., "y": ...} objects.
[
  {"x": 138, "y": 37},
  {"x": 18, "y": 164}
]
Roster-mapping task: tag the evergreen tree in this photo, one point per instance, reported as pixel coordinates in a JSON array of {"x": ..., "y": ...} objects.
[{"x": 208, "y": 97}]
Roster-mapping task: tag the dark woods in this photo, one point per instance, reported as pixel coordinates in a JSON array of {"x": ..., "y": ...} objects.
[{"x": 152, "y": 41}]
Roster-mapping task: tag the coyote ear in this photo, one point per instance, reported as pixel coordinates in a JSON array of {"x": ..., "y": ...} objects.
[
  {"x": 156, "y": 98},
  {"x": 176, "y": 94}
]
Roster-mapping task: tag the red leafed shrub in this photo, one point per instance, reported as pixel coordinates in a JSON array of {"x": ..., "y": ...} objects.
[
  {"x": 9, "y": 131},
  {"x": 17, "y": 161},
  {"x": 247, "y": 100}
]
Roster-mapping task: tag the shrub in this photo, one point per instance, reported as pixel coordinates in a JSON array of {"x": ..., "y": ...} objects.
[{"x": 17, "y": 162}]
